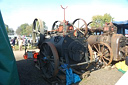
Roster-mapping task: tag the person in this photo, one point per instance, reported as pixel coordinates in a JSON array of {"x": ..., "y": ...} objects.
[
  {"x": 13, "y": 43},
  {"x": 29, "y": 43},
  {"x": 20, "y": 44}
]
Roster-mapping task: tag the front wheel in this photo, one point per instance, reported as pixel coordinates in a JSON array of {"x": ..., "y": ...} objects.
[{"x": 49, "y": 60}]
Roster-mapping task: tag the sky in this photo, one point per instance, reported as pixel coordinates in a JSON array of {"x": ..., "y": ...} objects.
[{"x": 17, "y": 12}]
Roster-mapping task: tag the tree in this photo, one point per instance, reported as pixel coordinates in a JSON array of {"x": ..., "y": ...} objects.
[
  {"x": 101, "y": 20},
  {"x": 24, "y": 29},
  {"x": 18, "y": 31},
  {"x": 29, "y": 30},
  {"x": 107, "y": 18},
  {"x": 10, "y": 31}
]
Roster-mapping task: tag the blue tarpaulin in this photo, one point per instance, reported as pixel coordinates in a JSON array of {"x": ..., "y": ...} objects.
[{"x": 70, "y": 76}]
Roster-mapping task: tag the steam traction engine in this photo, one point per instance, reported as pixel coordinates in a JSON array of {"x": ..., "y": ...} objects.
[
  {"x": 108, "y": 46},
  {"x": 65, "y": 44}
]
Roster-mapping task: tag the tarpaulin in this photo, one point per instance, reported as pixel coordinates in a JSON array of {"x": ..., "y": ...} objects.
[
  {"x": 70, "y": 76},
  {"x": 8, "y": 68},
  {"x": 121, "y": 66}
]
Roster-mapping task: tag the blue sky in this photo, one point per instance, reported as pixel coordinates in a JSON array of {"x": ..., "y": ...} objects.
[{"x": 17, "y": 12}]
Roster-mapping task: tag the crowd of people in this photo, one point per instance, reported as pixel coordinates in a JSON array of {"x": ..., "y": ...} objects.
[{"x": 20, "y": 42}]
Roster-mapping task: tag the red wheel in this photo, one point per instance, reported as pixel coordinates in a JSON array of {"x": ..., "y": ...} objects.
[{"x": 25, "y": 57}]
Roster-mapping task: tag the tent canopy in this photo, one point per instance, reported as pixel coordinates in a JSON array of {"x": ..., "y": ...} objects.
[
  {"x": 8, "y": 68},
  {"x": 122, "y": 27},
  {"x": 121, "y": 24}
]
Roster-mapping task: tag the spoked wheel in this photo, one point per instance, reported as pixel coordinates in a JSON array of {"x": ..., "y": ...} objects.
[
  {"x": 94, "y": 27},
  {"x": 90, "y": 51},
  {"x": 103, "y": 53},
  {"x": 56, "y": 25},
  {"x": 49, "y": 60},
  {"x": 37, "y": 31},
  {"x": 82, "y": 26},
  {"x": 38, "y": 26}
]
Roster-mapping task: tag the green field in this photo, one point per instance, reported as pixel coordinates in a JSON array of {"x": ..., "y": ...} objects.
[{"x": 23, "y": 47}]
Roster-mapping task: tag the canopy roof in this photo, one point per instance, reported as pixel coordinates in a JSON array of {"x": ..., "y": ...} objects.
[{"x": 121, "y": 24}]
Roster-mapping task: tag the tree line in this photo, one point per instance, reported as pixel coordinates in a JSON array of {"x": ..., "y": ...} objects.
[
  {"x": 26, "y": 29},
  {"x": 100, "y": 20},
  {"x": 10, "y": 31}
]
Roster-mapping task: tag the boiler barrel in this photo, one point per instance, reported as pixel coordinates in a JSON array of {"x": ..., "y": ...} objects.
[{"x": 93, "y": 39}]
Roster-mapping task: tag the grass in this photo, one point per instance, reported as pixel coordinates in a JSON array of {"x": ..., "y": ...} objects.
[{"x": 23, "y": 47}]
